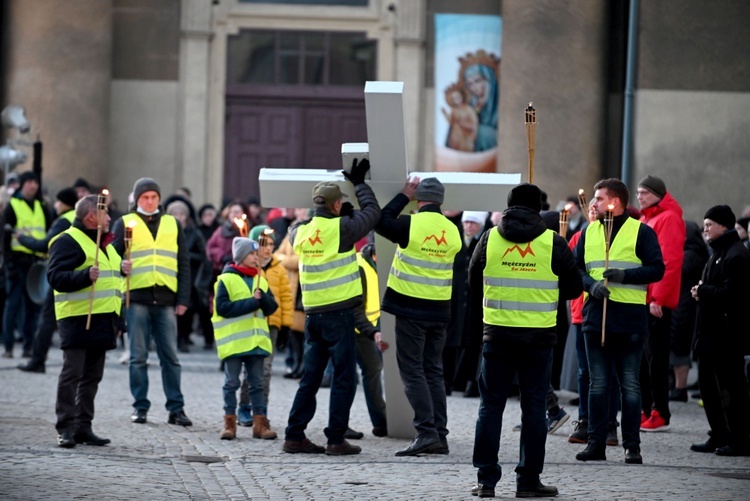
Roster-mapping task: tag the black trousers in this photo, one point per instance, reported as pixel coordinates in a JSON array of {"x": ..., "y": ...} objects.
[
  {"x": 79, "y": 381},
  {"x": 725, "y": 397},
  {"x": 655, "y": 365},
  {"x": 45, "y": 329}
]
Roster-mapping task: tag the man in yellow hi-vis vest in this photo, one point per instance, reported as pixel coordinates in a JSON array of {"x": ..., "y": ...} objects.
[
  {"x": 419, "y": 295},
  {"x": 24, "y": 215},
  {"x": 72, "y": 273},
  {"x": 159, "y": 290},
  {"x": 522, "y": 270},
  {"x": 331, "y": 290},
  {"x": 65, "y": 208},
  {"x": 635, "y": 260}
]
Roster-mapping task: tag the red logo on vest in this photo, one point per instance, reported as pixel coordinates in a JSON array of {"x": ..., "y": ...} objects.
[
  {"x": 522, "y": 252},
  {"x": 437, "y": 240},
  {"x": 315, "y": 240}
]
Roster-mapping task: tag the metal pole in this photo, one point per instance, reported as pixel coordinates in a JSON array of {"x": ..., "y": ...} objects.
[{"x": 627, "y": 125}]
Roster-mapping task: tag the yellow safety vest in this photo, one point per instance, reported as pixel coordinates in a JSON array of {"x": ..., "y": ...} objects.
[
  {"x": 69, "y": 216},
  {"x": 372, "y": 305},
  {"x": 424, "y": 268},
  {"x": 325, "y": 275},
  {"x": 621, "y": 256},
  {"x": 28, "y": 222},
  {"x": 154, "y": 261},
  {"x": 244, "y": 333},
  {"x": 108, "y": 289},
  {"x": 520, "y": 288}
]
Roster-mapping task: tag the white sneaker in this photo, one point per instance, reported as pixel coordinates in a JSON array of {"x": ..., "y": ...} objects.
[{"x": 125, "y": 357}]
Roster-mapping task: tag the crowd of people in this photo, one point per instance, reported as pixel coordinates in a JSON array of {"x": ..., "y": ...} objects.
[{"x": 481, "y": 304}]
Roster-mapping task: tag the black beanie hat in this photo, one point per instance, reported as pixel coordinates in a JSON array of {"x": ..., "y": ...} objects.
[
  {"x": 26, "y": 176},
  {"x": 721, "y": 214},
  {"x": 526, "y": 195},
  {"x": 655, "y": 185},
  {"x": 82, "y": 183},
  {"x": 68, "y": 196},
  {"x": 143, "y": 185}
]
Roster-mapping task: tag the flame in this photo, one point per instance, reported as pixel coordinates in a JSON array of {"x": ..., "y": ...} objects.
[
  {"x": 567, "y": 207},
  {"x": 105, "y": 192},
  {"x": 131, "y": 224},
  {"x": 581, "y": 192},
  {"x": 241, "y": 225},
  {"x": 611, "y": 207}
]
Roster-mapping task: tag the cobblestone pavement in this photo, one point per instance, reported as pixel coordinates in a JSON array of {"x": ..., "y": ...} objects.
[{"x": 161, "y": 461}]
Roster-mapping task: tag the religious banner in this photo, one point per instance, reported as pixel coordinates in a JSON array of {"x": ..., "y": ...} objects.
[{"x": 467, "y": 92}]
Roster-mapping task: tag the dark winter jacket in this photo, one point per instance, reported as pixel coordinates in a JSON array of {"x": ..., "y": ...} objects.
[
  {"x": 723, "y": 297},
  {"x": 522, "y": 225},
  {"x": 159, "y": 294},
  {"x": 351, "y": 229},
  {"x": 623, "y": 317},
  {"x": 65, "y": 256}
]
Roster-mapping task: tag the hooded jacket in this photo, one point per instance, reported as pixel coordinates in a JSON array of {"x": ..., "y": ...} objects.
[
  {"x": 665, "y": 218},
  {"x": 522, "y": 225}
]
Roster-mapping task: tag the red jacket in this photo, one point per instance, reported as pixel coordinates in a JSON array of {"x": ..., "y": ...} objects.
[
  {"x": 665, "y": 217},
  {"x": 576, "y": 305}
]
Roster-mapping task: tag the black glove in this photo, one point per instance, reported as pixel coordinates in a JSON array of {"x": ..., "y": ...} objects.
[
  {"x": 615, "y": 275},
  {"x": 598, "y": 290},
  {"x": 358, "y": 171},
  {"x": 347, "y": 209},
  {"x": 283, "y": 338}
]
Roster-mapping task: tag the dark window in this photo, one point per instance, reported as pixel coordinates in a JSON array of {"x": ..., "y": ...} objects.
[{"x": 300, "y": 58}]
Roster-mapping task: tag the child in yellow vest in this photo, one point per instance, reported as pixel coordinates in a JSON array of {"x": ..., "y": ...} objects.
[{"x": 242, "y": 301}]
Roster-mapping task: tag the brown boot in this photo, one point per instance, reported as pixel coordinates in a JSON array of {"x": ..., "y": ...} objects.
[
  {"x": 230, "y": 427},
  {"x": 262, "y": 428}
]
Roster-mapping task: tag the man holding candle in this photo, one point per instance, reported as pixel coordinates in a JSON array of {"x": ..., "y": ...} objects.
[
  {"x": 75, "y": 265},
  {"x": 662, "y": 213},
  {"x": 617, "y": 269},
  {"x": 159, "y": 290}
]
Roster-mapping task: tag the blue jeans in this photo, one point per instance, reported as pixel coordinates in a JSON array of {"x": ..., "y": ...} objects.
[
  {"x": 232, "y": 371},
  {"x": 146, "y": 322},
  {"x": 584, "y": 382},
  {"x": 500, "y": 363},
  {"x": 622, "y": 354},
  {"x": 419, "y": 353},
  {"x": 329, "y": 336}
]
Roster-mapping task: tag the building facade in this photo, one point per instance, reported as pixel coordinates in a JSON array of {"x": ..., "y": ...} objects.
[{"x": 202, "y": 93}]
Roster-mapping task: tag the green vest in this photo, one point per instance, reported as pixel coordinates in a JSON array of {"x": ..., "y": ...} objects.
[
  {"x": 424, "y": 268},
  {"x": 154, "y": 261},
  {"x": 108, "y": 289},
  {"x": 520, "y": 289},
  {"x": 621, "y": 256},
  {"x": 372, "y": 306},
  {"x": 325, "y": 275},
  {"x": 28, "y": 222},
  {"x": 244, "y": 333}
]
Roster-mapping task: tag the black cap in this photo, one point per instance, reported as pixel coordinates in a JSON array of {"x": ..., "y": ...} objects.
[
  {"x": 721, "y": 214},
  {"x": 68, "y": 196},
  {"x": 526, "y": 195}
]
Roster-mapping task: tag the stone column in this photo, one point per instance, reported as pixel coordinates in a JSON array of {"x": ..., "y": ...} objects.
[
  {"x": 192, "y": 140},
  {"x": 554, "y": 54},
  {"x": 59, "y": 69}
]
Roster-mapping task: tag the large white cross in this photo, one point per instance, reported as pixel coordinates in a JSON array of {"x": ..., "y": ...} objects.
[{"x": 386, "y": 148}]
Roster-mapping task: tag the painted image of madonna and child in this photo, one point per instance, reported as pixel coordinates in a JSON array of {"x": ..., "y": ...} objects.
[{"x": 472, "y": 114}]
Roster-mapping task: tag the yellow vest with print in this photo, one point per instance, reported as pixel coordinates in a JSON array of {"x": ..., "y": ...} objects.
[
  {"x": 520, "y": 288},
  {"x": 108, "y": 289},
  {"x": 372, "y": 304},
  {"x": 241, "y": 334},
  {"x": 325, "y": 275},
  {"x": 29, "y": 222},
  {"x": 154, "y": 261},
  {"x": 424, "y": 268},
  {"x": 621, "y": 256}
]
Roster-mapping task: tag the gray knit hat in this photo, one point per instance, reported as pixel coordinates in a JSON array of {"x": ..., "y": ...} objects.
[
  {"x": 241, "y": 247},
  {"x": 143, "y": 185},
  {"x": 430, "y": 190}
]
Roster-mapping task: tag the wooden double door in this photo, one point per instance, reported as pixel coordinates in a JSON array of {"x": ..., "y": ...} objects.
[{"x": 297, "y": 127}]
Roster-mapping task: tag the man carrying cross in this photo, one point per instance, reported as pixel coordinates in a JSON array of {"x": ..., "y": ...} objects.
[
  {"x": 419, "y": 295},
  {"x": 331, "y": 290}
]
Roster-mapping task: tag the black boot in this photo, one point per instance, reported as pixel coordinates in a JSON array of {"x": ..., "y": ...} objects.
[{"x": 592, "y": 452}]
